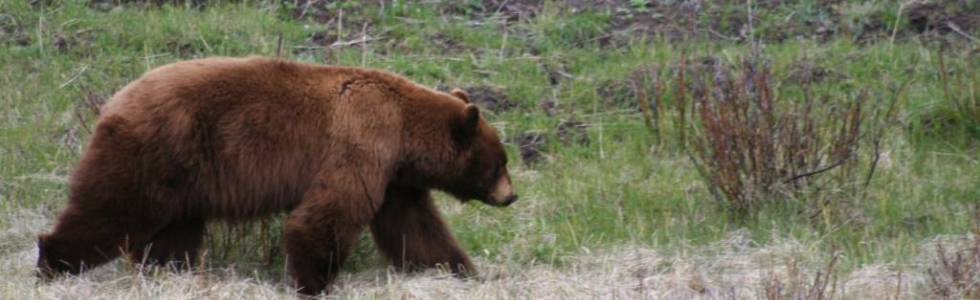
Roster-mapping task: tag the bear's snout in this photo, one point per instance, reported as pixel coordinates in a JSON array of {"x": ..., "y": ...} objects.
[
  {"x": 503, "y": 192},
  {"x": 510, "y": 200}
]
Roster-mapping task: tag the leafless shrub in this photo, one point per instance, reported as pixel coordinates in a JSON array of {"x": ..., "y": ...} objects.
[{"x": 752, "y": 147}]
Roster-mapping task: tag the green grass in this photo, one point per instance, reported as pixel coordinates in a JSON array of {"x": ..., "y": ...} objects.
[{"x": 622, "y": 188}]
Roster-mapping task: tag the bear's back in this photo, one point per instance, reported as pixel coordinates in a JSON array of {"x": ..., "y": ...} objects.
[{"x": 249, "y": 134}]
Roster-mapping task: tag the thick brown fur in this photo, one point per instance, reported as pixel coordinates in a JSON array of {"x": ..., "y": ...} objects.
[{"x": 234, "y": 139}]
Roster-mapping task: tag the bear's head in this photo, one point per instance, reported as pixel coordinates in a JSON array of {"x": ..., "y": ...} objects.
[
  {"x": 480, "y": 160},
  {"x": 46, "y": 270}
]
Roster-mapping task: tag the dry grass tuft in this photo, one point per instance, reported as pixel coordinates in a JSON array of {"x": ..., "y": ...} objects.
[
  {"x": 955, "y": 274},
  {"x": 822, "y": 286}
]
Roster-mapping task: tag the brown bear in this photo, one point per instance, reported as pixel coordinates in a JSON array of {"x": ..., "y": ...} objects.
[{"x": 235, "y": 139}]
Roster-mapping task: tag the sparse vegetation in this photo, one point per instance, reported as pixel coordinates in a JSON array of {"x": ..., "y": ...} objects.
[
  {"x": 604, "y": 104},
  {"x": 753, "y": 147}
]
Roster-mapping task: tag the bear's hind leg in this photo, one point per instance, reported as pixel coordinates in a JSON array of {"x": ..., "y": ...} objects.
[
  {"x": 176, "y": 245},
  {"x": 410, "y": 233}
]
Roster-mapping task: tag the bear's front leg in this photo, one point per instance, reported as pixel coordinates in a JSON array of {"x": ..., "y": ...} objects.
[
  {"x": 321, "y": 232},
  {"x": 177, "y": 245},
  {"x": 410, "y": 233}
]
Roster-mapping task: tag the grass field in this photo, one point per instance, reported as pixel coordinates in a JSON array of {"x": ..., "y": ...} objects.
[{"x": 610, "y": 207}]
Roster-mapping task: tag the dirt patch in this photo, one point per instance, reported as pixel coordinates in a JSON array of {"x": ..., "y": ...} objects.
[
  {"x": 323, "y": 11},
  {"x": 531, "y": 146},
  {"x": 617, "y": 93},
  {"x": 557, "y": 72},
  {"x": 356, "y": 30},
  {"x": 107, "y": 5},
  {"x": 445, "y": 43},
  {"x": 182, "y": 48},
  {"x": 809, "y": 72},
  {"x": 772, "y": 21},
  {"x": 573, "y": 132},
  {"x": 321, "y": 42},
  {"x": 61, "y": 43},
  {"x": 491, "y": 98},
  {"x": 942, "y": 16},
  {"x": 80, "y": 41},
  {"x": 626, "y": 92},
  {"x": 11, "y": 31},
  {"x": 687, "y": 20},
  {"x": 702, "y": 63},
  {"x": 323, "y": 38},
  {"x": 485, "y": 96},
  {"x": 720, "y": 20},
  {"x": 549, "y": 107},
  {"x": 347, "y": 22},
  {"x": 510, "y": 10},
  {"x": 671, "y": 20},
  {"x": 317, "y": 10}
]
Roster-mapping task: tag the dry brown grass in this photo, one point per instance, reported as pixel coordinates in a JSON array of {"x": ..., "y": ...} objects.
[
  {"x": 734, "y": 268},
  {"x": 955, "y": 271},
  {"x": 956, "y": 274}
]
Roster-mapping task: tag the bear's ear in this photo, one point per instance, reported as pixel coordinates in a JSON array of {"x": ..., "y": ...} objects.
[
  {"x": 468, "y": 122},
  {"x": 461, "y": 94}
]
